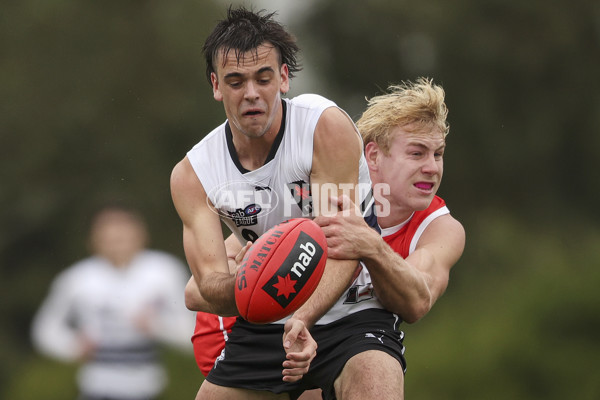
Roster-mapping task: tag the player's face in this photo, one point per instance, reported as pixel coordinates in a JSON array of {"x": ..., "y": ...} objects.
[
  {"x": 250, "y": 90},
  {"x": 117, "y": 237},
  {"x": 413, "y": 169}
]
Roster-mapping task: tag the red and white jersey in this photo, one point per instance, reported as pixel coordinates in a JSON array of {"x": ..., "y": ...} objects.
[{"x": 403, "y": 238}]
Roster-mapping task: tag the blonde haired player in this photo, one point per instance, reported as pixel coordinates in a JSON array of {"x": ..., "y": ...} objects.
[{"x": 404, "y": 132}]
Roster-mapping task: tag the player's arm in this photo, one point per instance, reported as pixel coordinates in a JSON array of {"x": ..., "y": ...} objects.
[
  {"x": 438, "y": 249},
  {"x": 408, "y": 287},
  {"x": 235, "y": 252},
  {"x": 336, "y": 156},
  {"x": 411, "y": 286},
  {"x": 53, "y": 332},
  {"x": 203, "y": 241}
]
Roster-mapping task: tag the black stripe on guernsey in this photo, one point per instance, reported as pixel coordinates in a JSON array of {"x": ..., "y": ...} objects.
[
  {"x": 274, "y": 146},
  {"x": 369, "y": 214},
  {"x": 126, "y": 355}
]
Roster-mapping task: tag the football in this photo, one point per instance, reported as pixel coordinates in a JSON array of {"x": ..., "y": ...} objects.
[{"x": 280, "y": 271}]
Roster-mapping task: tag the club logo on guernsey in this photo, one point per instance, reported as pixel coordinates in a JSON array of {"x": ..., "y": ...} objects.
[
  {"x": 302, "y": 195},
  {"x": 246, "y": 216},
  {"x": 295, "y": 271},
  {"x": 242, "y": 201}
]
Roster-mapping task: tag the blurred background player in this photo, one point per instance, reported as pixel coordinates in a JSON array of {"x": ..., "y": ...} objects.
[{"x": 111, "y": 310}]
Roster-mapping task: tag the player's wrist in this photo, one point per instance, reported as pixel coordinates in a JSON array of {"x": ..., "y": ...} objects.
[
  {"x": 304, "y": 316},
  {"x": 219, "y": 294},
  {"x": 372, "y": 247}
]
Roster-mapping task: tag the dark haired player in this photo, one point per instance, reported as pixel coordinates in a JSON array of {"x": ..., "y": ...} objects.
[{"x": 266, "y": 145}]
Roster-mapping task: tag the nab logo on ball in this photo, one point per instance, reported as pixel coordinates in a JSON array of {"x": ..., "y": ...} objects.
[
  {"x": 295, "y": 271},
  {"x": 280, "y": 271}
]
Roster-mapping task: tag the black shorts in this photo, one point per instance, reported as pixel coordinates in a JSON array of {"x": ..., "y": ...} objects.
[{"x": 254, "y": 354}]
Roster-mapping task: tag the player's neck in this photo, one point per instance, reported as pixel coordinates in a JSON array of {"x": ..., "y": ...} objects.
[
  {"x": 252, "y": 152},
  {"x": 391, "y": 215}
]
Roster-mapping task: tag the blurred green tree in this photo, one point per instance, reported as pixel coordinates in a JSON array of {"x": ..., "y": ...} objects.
[
  {"x": 99, "y": 100},
  {"x": 522, "y": 88}
]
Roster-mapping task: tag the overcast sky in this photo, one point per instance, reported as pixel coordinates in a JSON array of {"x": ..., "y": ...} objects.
[{"x": 286, "y": 9}]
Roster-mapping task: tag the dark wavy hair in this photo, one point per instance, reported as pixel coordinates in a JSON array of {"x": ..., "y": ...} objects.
[{"x": 244, "y": 30}]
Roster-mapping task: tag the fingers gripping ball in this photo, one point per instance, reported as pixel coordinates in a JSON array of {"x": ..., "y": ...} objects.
[{"x": 280, "y": 271}]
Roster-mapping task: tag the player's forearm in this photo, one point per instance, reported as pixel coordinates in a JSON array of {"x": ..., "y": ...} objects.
[
  {"x": 217, "y": 290},
  {"x": 193, "y": 299},
  {"x": 400, "y": 287},
  {"x": 336, "y": 279}
]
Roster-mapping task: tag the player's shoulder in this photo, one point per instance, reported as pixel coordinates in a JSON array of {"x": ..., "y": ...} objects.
[
  {"x": 437, "y": 212},
  {"x": 310, "y": 100},
  {"x": 447, "y": 219},
  {"x": 201, "y": 158},
  {"x": 335, "y": 131},
  {"x": 185, "y": 186},
  {"x": 447, "y": 228}
]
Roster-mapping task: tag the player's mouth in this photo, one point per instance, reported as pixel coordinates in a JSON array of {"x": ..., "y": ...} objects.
[
  {"x": 252, "y": 113},
  {"x": 426, "y": 186}
]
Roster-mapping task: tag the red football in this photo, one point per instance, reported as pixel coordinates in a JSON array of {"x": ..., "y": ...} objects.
[{"x": 280, "y": 271}]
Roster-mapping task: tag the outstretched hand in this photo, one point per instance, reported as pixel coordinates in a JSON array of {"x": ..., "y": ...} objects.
[{"x": 300, "y": 348}]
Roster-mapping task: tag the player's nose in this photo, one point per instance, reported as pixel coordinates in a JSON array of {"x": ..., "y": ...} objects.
[
  {"x": 251, "y": 92},
  {"x": 431, "y": 165}
]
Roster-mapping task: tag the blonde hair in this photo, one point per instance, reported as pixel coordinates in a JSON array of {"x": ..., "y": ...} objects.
[{"x": 419, "y": 104}]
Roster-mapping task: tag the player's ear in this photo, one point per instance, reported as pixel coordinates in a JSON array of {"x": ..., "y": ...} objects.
[
  {"x": 372, "y": 152},
  {"x": 214, "y": 80},
  {"x": 284, "y": 73}
]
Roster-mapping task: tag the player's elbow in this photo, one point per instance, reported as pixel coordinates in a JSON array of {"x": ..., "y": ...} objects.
[
  {"x": 192, "y": 297},
  {"x": 410, "y": 310},
  {"x": 416, "y": 311},
  {"x": 419, "y": 305},
  {"x": 190, "y": 304},
  {"x": 416, "y": 307}
]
